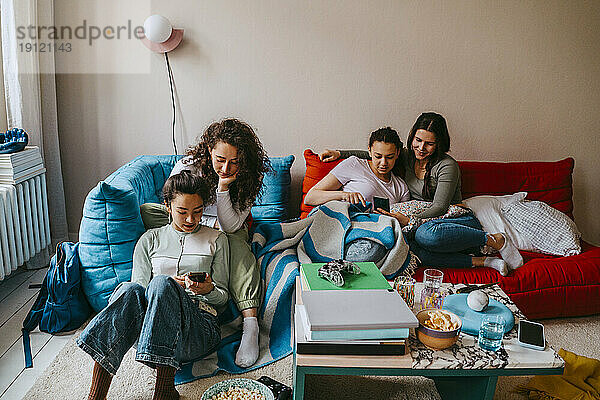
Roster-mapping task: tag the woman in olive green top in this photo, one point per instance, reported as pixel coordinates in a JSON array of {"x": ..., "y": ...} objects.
[
  {"x": 230, "y": 156},
  {"x": 432, "y": 175},
  {"x": 167, "y": 308}
]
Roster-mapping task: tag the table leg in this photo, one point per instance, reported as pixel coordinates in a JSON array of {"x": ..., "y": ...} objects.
[
  {"x": 471, "y": 387},
  {"x": 299, "y": 377}
]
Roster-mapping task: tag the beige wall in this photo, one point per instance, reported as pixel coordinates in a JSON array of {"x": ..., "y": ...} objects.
[{"x": 517, "y": 80}]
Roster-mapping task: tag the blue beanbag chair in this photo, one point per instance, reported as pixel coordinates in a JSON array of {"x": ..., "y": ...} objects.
[{"x": 111, "y": 224}]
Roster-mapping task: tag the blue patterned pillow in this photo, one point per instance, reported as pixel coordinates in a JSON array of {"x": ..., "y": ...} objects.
[{"x": 272, "y": 206}]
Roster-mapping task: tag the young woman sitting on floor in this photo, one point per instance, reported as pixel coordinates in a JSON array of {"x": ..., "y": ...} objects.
[{"x": 171, "y": 317}]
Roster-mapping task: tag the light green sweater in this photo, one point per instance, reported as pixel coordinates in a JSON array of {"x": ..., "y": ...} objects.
[{"x": 165, "y": 251}]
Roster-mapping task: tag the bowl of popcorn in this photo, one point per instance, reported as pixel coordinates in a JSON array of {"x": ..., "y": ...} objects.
[
  {"x": 238, "y": 389},
  {"x": 438, "y": 329}
]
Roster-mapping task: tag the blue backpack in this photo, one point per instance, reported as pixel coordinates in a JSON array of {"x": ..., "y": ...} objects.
[{"x": 61, "y": 305}]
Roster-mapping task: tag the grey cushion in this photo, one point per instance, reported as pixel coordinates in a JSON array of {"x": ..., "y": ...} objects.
[{"x": 360, "y": 250}]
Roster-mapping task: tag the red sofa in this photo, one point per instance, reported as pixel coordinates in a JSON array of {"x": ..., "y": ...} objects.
[{"x": 545, "y": 286}]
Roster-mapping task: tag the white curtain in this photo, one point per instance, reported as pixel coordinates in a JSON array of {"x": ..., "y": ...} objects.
[{"x": 30, "y": 92}]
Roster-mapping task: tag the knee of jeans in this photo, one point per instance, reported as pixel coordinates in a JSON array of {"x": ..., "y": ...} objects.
[
  {"x": 160, "y": 285},
  {"x": 427, "y": 236},
  {"x": 127, "y": 289}
]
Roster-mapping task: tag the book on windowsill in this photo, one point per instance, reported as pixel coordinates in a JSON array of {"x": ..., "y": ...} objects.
[
  {"x": 21, "y": 165},
  {"x": 370, "y": 277},
  {"x": 13, "y": 179},
  {"x": 21, "y": 160},
  {"x": 395, "y": 347},
  {"x": 18, "y": 157}
]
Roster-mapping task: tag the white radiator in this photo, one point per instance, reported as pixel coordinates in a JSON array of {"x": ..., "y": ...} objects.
[{"x": 24, "y": 225}]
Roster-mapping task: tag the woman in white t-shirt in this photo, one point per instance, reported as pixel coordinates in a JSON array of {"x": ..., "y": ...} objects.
[{"x": 358, "y": 181}]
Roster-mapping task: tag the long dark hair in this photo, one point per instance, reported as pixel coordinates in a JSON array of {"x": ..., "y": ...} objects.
[
  {"x": 435, "y": 124},
  {"x": 389, "y": 135},
  {"x": 186, "y": 182},
  {"x": 253, "y": 162}
]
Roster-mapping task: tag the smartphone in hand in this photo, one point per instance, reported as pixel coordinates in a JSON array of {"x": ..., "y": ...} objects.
[
  {"x": 381, "y": 202},
  {"x": 197, "y": 276}
]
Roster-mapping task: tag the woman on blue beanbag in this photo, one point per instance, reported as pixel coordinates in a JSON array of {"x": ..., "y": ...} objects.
[{"x": 178, "y": 284}]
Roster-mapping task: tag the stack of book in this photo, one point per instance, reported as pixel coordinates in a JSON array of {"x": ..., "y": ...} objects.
[
  {"x": 363, "y": 317},
  {"x": 20, "y": 166}
]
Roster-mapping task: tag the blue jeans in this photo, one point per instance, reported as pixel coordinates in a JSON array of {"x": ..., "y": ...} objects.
[
  {"x": 448, "y": 242},
  {"x": 168, "y": 327}
]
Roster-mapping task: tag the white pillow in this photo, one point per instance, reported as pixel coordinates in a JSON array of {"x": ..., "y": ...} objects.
[
  {"x": 488, "y": 210},
  {"x": 550, "y": 230}
]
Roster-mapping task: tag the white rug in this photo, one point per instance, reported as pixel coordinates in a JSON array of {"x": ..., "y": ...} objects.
[{"x": 69, "y": 375}]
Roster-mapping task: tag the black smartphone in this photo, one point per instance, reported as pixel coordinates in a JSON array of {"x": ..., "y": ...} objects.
[
  {"x": 531, "y": 334},
  {"x": 280, "y": 391},
  {"x": 197, "y": 276},
  {"x": 381, "y": 202}
]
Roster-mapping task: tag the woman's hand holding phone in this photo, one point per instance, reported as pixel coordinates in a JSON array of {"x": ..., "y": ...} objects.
[
  {"x": 403, "y": 219},
  {"x": 199, "y": 287},
  {"x": 180, "y": 279}
]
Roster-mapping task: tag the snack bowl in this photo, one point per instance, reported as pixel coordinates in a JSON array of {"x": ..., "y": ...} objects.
[
  {"x": 242, "y": 383},
  {"x": 437, "y": 339}
]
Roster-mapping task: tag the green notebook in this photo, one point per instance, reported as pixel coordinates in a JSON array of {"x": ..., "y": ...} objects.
[{"x": 370, "y": 277}]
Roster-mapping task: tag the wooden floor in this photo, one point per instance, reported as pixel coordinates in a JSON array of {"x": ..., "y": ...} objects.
[{"x": 15, "y": 301}]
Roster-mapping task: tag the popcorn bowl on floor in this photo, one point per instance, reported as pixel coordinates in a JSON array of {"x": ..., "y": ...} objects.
[{"x": 239, "y": 388}]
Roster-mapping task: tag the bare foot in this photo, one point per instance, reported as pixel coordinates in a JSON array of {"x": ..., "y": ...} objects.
[
  {"x": 495, "y": 241},
  {"x": 478, "y": 261}
]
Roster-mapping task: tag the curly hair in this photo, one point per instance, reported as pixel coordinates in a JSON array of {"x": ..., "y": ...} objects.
[{"x": 253, "y": 162}]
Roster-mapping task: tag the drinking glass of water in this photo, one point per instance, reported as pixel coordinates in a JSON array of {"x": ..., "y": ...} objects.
[
  {"x": 491, "y": 332},
  {"x": 431, "y": 296}
]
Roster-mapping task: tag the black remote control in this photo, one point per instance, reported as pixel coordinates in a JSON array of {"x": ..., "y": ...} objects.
[{"x": 280, "y": 391}]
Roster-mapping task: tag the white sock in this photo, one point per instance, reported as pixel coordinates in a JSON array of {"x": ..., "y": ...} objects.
[
  {"x": 497, "y": 263},
  {"x": 247, "y": 354},
  {"x": 511, "y": 254}
]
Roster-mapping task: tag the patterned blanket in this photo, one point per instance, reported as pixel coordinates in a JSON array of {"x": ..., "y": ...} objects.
[{"x": 280, "y": 248}]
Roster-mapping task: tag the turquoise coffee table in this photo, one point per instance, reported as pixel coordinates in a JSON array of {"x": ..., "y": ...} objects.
[{"x": 464, "y": 371}]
